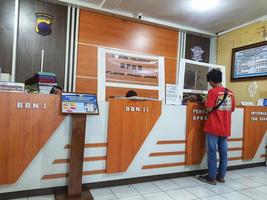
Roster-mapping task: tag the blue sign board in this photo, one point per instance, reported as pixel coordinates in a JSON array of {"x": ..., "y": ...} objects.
[
  {"x": 75, "y": 103},
  {"x": 249, "y": 61}
]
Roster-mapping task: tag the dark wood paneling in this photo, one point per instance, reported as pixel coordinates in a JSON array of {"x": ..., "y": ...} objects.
[
  {"x": 30, "y": 44},
  {"x": 194, "y": 40},
  {"x": 7, "y": 11}
]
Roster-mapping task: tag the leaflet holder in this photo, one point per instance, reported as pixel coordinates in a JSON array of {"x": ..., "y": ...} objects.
[{"x": 79, "y": 106}]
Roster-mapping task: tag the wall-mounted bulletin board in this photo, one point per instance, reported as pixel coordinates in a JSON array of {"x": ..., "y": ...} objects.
[{"x": 249, "y": 62}]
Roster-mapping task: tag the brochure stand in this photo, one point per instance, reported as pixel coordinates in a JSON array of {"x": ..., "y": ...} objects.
[
  {"x": 76, "y": 163},
  {"x": 79, "y": 105}
]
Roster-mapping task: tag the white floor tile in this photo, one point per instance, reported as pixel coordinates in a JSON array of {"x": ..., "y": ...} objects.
[
  {"x": 124, "y": 191},
  {"x": 133, "y": 198},
  {"x": 263, "y": 168},
  {"x": 235, "y": 185},
  {"x": 254, "y": 173},
  {"x": 166, "y": 185},
  {"x": 249, "y": 182},
  {"x": 254, "y": 194},
  {"x": 233, "y": 175},
  {"x": 158, "y": 196},
  {"x": 186, "y": 181},
  {"x": 219, "y": 188},
  {"x": 213, "y": 198},
  {"x": 241, "y": 172},
  {"x": 103, "y": 194},
  {"x": 201, "y": 191},
  {"x": 181, "y": 194},
  {"x": 235, "y": 196},
  {"x": 146, "y": 188},
  {"x": 259, "y": 179},
  {"x": 262, "y": 189},
  {"x": 46, "y": 197}
]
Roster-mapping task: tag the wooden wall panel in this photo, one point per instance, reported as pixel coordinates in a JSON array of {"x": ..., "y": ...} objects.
[
  {"x": 126, "y": 137},
  {"x": 254, "y": 130},
  {"x": 119, "y": 33},
  {"x": 195, "y": 135},
  {"x": 112, "y": 91},
  {"x": 170, "y": 70},
  {"x": 24, "y": 131},
  {"x": 87, "y": 61},
  {"x": 30, "y": 44},
  {"x": 87, "y": 85},
  {"x": 7, "y": 12},
  {"x": 102, "y": 30}
]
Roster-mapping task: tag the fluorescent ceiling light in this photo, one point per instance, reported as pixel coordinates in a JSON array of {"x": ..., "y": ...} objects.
[{"x": 203, "y": 5}]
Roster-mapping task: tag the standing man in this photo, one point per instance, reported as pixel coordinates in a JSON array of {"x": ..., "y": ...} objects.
[{"x": 220, "y": 104}]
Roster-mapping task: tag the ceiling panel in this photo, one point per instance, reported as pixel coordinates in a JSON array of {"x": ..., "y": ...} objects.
[{"x": 227, "y": 14}]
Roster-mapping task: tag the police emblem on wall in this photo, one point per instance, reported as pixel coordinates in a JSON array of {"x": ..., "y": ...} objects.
[
  {"x": 197, "y": 53},
  {"x": 43, "y": 24}
]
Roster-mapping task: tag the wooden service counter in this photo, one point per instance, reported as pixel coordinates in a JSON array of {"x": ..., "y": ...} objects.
[
  {"x": 128, "y": 139},
  {"x": 254, "y": 129},
  {"x": 26, "y": 123},
  {"x": 130, "y": 122}
]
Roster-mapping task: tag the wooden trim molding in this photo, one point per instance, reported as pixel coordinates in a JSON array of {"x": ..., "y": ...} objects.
[
  {"x": 171, "y": 142},
  {"x": 235, "y": 139},
  {"x": 174, "y": 153},
  {"x": 235, "y": 158},
  {"x": 235, "y": 149},
  {"x": 232, "y": 158},
  {"x": 86, "y": 159},
  {"x": 93, "y": 172},
  {"x": 89, "y": 145},
  {"x": 163, "y": 165},
  {"x": 55, "y": 176},
  {"x": 65, "y": 175}
]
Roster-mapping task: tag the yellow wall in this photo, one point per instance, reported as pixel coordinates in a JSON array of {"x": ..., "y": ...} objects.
[{"x": 250, "y": 34}]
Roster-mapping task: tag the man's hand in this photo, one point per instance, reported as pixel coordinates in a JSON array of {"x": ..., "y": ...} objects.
[{"x": 208, "y": 109}]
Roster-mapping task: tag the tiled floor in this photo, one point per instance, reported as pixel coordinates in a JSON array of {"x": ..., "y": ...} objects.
[{"x": 244, "y": 184}]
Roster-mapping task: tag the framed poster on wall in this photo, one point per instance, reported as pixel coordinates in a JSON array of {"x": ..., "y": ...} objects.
[{"x": 249, "y": 62}]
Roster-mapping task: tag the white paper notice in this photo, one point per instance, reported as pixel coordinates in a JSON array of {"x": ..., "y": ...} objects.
[{"x": 172, "y": 95}]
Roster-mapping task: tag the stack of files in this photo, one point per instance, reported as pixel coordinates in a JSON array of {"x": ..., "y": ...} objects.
[{"x": 43, "y": 82}]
